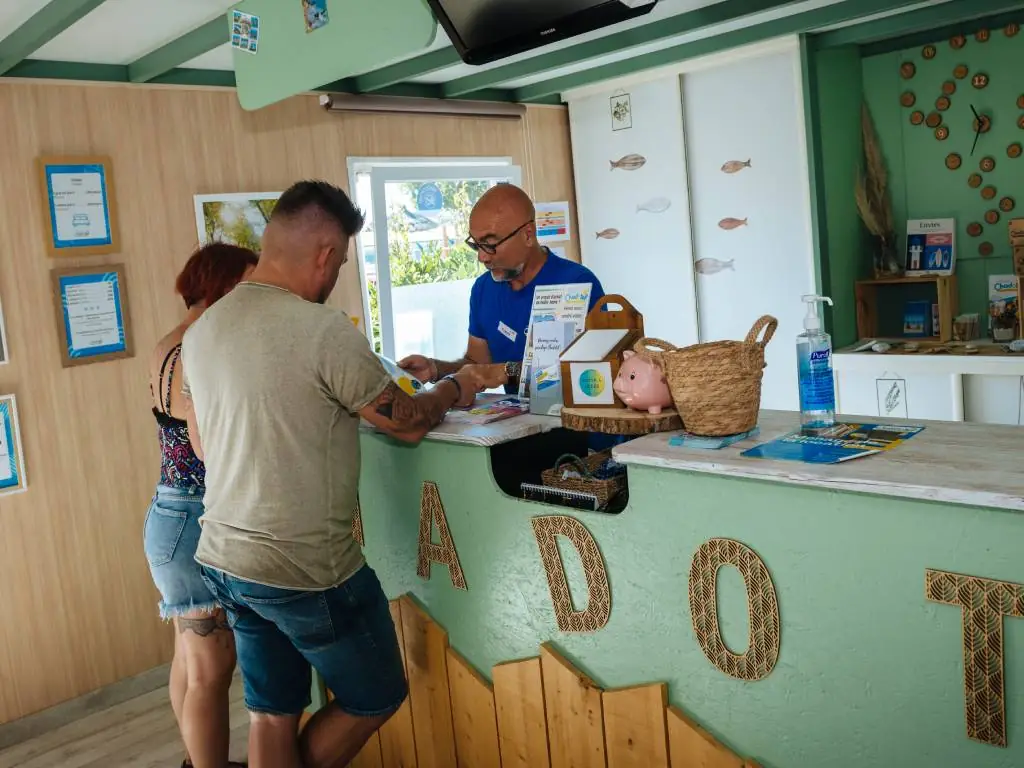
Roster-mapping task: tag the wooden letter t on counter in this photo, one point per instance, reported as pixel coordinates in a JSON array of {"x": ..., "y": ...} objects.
[
  {"x": 984, "y": 603},
  {"x": 431, "y": 514}
]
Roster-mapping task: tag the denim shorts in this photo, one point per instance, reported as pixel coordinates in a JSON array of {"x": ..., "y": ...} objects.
[
  {"x": 346, "y": 633},
  {"x": 170, "y": 537}
]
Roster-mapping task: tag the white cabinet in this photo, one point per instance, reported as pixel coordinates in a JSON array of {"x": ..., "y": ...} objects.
[
  {"x": 993, "y": 399},
  {"x": 893, "y": 394},
  {"x": 673, "y": 217}
]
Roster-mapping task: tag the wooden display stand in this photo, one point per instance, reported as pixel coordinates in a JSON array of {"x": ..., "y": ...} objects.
[
  {"x": 620, "y": 421},
  {"x": 866, "y": 293},
  {"x": 601, "y": 318}
]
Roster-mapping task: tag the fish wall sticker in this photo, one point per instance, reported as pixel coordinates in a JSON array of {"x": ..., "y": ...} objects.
[
  {"x": 735, "y": 166},
  {"x": 713, "y": 266},
  {"x": 608, "y": 234},
  {"x": 628, "y": 162},
  {"x": 655, "y": 205},
  {"x": 731, "y": 223}
]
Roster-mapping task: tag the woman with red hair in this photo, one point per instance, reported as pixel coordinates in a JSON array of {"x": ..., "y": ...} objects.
[{"x": 204, "y": 647}]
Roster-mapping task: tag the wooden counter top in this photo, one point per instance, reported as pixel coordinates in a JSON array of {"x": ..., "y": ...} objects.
[
  {"x": 953, "y": 462},
  {"x": 488, "y": 435}
]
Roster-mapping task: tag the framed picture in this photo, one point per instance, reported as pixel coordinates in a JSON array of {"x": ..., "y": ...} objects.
[
  {"x": 238, "y": 218},
  {"x": 92, "y": 314},
  {"x": 81, "y": 210},
  {"x": 621, "y": 111},
  {"x": 892, "y": 397},
  {"x": 12, "y": 457}
]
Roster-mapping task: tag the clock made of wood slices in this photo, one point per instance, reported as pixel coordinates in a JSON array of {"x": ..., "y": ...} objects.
[{"x": 966, "y": 121}]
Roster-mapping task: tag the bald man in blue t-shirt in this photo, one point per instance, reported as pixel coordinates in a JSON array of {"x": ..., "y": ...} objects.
[{"x": 503, "y": 233}]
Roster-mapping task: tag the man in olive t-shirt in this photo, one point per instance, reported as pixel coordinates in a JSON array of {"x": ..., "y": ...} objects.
[{"x": 277, "y": 384}]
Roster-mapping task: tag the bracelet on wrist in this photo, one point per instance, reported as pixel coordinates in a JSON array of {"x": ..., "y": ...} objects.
[{"x": 458, "y": 386}]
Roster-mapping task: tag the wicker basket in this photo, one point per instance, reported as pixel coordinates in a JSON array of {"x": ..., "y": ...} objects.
[
  {"x": 604, "y": 490},
  {"x": 717, "y": 386},
  {"x": 650, "y": 348}
]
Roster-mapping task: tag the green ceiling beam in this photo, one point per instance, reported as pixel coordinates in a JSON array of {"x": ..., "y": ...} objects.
[
  {"x": 48, "y": 22},
  {"x": 673, "y": 26},
  {"x": 204, "y": 39},
  {"x": 788, "y": 25},
  {"x": 963, "y": 27},
  {"x": 922, "y": 20},
  {"x": 409, "y": 69},
  {"x": 115, "y": 73}
]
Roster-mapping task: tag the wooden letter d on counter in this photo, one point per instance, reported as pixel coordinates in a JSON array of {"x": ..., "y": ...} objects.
[{"x": 599, "y": 602}]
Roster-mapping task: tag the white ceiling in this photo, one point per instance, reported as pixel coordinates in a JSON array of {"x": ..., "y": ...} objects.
[{"x": 121, "y": 31}]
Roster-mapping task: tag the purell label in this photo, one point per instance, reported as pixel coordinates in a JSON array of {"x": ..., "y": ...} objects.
[{"x": 820, "y": 355}]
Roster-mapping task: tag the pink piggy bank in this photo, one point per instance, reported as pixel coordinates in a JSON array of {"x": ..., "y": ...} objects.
[{"x": 641, "y": 384}]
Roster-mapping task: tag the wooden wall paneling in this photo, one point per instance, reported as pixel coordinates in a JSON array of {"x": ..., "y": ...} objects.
[
  {"x": 574, "y": 712},
  {"x": 690, "y": 746},
  {"x": 397, "y": 739},
  {"x": 72, "y": 542},
  {"x": 548, "y": 168},
  {"x": 634, "y": 726},
  {"x": 522, "y": 722},
  {"x": 426, "y": 653},
  {"x": 476, "y": 726}
]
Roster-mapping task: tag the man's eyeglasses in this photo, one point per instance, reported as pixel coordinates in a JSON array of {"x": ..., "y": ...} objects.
[{"x": 492, "y": 248}]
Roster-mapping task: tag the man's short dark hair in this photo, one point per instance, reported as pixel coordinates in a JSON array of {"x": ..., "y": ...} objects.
[{"x": 327, "y": 199}]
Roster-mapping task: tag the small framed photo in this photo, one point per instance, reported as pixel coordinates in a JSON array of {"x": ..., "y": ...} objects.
[
  {"x": 81, "y": 210},
  {"x": 12, "y": 457},
  {"x": 92, "y": 314},
  {"x": 238, "y": 218},
  {"x": 621, "y": 111}
]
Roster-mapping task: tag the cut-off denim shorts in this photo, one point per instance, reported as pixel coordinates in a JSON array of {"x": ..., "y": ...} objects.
[{"x": 170, "y": 537}]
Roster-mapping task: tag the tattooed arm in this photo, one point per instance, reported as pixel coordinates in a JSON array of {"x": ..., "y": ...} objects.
[{"x": 410, "y": 417}]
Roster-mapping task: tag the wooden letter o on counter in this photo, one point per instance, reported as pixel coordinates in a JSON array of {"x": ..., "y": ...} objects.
[
  {"x": 431, "y": 514},
  {"x": 984, "y": 603},
  {"x": 762, "y": 607},
  {"x": 599, "y": 601}
]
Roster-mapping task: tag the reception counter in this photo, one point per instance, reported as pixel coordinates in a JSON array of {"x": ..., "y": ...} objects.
[{"x": 832, "y": 637}]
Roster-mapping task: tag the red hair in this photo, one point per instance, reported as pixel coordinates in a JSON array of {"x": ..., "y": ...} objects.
[{"x": 212, "y": 271}]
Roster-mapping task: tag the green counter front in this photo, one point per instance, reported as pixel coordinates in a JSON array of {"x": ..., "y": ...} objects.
[{"x": 862, "y": 669}]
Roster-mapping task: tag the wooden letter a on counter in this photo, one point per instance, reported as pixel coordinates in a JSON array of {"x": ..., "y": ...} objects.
[
  {"x": 599, "y": 602},
  {"x": 431, "y": 514},
  {"x": 984, "y": 603}
]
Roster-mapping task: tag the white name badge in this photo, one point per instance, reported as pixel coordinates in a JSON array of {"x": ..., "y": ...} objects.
[{"x": 507, "y": 332}]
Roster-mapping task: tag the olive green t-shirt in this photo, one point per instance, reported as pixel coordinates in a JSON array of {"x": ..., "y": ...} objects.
[{"x": 277, "y": 382}]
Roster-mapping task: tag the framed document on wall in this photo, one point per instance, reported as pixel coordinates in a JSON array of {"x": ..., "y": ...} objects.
[
  {"x": 92, "y": 314},
  {"x": 80, "y": 209},
  {"x": 12, "y": 458}
]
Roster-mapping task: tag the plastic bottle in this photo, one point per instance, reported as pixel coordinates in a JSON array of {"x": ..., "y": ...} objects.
[{"x": 814, "y": 371}]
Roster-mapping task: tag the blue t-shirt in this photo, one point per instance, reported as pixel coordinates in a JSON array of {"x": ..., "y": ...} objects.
[{"x": 501, "y": 316}]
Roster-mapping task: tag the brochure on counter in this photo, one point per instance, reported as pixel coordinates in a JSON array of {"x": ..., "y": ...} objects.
[
  {"x": 488, "y": 409},
  {"x": 843, "y": 442}
]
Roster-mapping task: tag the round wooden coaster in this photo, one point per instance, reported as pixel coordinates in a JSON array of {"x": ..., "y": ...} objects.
[
  {"x": 916, "y": 117},
  {"x": 907, "y": 70},
  {"x": 1012, "y": 29},
  {"x": 934, "y": 120},
  {"x": 957, "y": 42},
  {"x": 960, "y": 71},
  {"x": 982, "y": 35},
  {"x": 1020, "y": 122},
  {"x": 988, "y": 193},
  {"x": 907, "y": 98},
  {"x": 929, "y": 52},
  {"x": 619, "y": 421},
  {"x": 1014, "y": 150},
  {"x": 942, "y": 133},
  {"x": 974, "y": 229},
  {"x": 942, "y": 103},
  {"x": 1007, "y": 204},
  {"x": 1020, "y": 101},
  {"x": 980, "y": 80},
  {"x": 987, "y": 164},
  {"x": 992, "y": 217},
  {"x": 953, "y": 161},
  {"x": 974, "y": 180},
  {"x": 985, "y": 249},
  {"x": 949, "y": 87}
]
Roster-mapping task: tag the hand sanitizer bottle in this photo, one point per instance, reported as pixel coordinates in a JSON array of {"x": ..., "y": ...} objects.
[{"x": 814, "y": 371}]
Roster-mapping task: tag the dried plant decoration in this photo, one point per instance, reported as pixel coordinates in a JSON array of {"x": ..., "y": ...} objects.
[
  {"x": 983, "y": 604},
  {"x": 873, "y": 202}
]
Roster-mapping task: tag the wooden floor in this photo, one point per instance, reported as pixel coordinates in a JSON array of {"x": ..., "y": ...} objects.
[{"x": 140, "y": 733}]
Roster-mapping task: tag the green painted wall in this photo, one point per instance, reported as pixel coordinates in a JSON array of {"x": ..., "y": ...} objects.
[
  {"x": 922, "y": 185},
  {"x": 844, "y": 247},
  {"x": 869, "y": 674}
]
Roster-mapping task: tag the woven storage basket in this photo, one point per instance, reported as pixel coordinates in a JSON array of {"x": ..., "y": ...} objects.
[
  {"x": 717, "y": 386},
  {"x": 604, "y": 490},
  {"x": 650, "y": 348}
]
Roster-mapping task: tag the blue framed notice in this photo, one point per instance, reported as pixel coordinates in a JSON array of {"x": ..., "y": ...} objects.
[
  {"x": 81, "y": 218},
  {"x": 12, "y": 458},
  {"x": 92, "y": 314}
]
